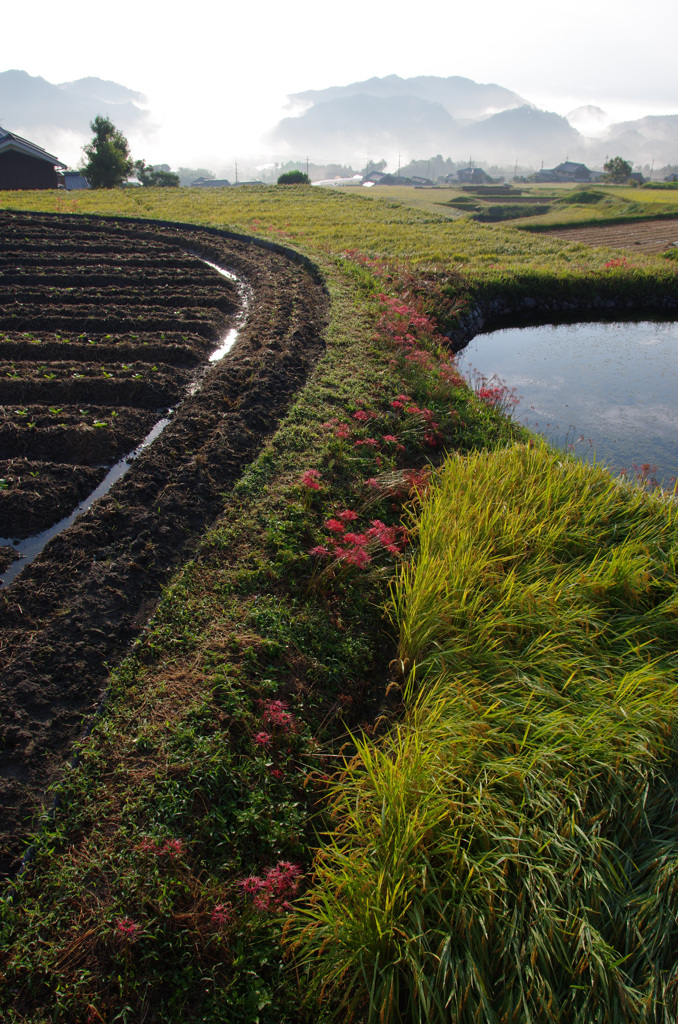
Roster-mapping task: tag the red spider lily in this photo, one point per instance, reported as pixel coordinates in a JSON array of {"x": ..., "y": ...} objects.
[
  {"x": 348, "y": 515},
  {"x": 334, "y": 525},
  {"x": 262, "y": 739},
  {"x": 273, "y": 891},
  {"x": 319, "y": 551},
  {"x": 310, "y": 479},
  {"x": 221, "y": 915},
  {"x": 127, "y": 929},
  {"x": 277, "y": 716}
]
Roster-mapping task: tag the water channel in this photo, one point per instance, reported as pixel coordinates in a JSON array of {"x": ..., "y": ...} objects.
[
  {"x": 609, "y": 390},
  {"x": 27, "y": 550}
]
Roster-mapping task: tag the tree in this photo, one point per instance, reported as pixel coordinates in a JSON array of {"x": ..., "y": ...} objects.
[
  {"x": 155, "y": 177},
  {"x": 108, "y": 157},
  {"x": 294, "y": 178},
  {"x": 617, "y": 170}
]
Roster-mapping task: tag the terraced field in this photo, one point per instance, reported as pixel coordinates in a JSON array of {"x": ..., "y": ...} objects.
[
  {"x": 650, "y": 236},
  {"x": 106, "y": 330}
]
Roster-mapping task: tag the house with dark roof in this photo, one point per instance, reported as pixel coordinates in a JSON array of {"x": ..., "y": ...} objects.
[
  {"x": 24, "y": 165},
  {"x": 210, "y": 183},
  {"x": 567, "y": 171},
  {"x": 74, "y": 180},
  {"x": 474, "y": 176}
]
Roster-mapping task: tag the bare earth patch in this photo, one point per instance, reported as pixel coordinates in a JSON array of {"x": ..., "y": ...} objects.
[{"x": 650, "y": 236}]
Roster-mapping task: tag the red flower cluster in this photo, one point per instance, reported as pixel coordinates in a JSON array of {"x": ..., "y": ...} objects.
[
  {"x": 310, "y": 479},
  {"x": 172, "y": 848},
  {"x": 273, "y": 890},
  {"x": 221, "y": 915},
  {"x": 276, "y": 716},
  {"x": 127, "y": 929},
  {"x": 350, "y": 546}
]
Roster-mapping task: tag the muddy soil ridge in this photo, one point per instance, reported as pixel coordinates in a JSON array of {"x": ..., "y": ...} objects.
[{"x": 100, "y": 316}]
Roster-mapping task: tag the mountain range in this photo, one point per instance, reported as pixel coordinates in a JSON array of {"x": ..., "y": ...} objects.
[
  {"x": 377, "y": 118},
  {"x": 459, "y": 117}
]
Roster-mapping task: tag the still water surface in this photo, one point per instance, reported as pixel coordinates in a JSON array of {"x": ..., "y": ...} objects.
[{"x": 611, "y": 390}]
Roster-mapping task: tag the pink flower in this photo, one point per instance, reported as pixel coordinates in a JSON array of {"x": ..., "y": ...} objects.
[
  {"x": 262, "y": 739},
  {"x": 276, "y": 773},
  {"x": 319, "y": 551},
  {"x": 173, "y": 848},
  {"x": 348, "y": 515},
  {"x": 252, "y": 885},
  {"x": 390, "y": 437},
  {"x": 355, "y": 538},
  {"x": 361, "y": 415},
  {"x": 127, "y": 929},
  {"x": 310, "y": 479},
  {"x": 221, "y": 915},
  {"x": 276, "y": 715},
  {"x": 334, "y": 526},
  {"x": 342, "y": 431}
]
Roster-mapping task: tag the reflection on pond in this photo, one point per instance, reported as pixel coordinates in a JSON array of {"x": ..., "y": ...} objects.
[{"x": 608, "y": 389}]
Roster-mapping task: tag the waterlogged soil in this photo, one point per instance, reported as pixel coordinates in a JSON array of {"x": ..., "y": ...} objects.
[
  {"x": 83, "y": 376},
  {"x": 35, "y": 495}
]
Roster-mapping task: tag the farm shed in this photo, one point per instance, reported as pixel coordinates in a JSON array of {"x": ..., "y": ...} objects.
[
  {"x": 74, "y": 180},
  {"x": 25, "y": 165}
]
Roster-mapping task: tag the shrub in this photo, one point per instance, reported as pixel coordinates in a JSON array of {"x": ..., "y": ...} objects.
[{"x": 294, "y": 178}]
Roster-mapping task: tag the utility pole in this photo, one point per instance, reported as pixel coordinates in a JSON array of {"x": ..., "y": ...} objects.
[
  {"x": 236, "y": 172},
  {"x": 307, "y": 167}
]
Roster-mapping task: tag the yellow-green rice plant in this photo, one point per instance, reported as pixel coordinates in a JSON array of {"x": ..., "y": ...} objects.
[{"x": 508, "y": 852}]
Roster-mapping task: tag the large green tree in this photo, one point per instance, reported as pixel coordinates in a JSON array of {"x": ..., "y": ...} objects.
[
  {"x": 617, "y": 170},
  {"x": 155, "y": 177},
  {"x": 108, "y": 156}
]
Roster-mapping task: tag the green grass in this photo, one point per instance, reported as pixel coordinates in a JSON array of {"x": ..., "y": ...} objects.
[
  {"x": 255, "y": 617},
  {"x": 505, "y": 853}
]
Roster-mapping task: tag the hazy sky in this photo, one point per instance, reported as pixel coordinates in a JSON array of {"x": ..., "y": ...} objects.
[{"x": 217, "y": 75}]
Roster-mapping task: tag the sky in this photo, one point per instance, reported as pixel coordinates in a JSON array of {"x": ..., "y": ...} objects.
[{"x": 217, "y": 77}]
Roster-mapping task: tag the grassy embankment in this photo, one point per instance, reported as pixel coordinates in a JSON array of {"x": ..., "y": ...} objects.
[{"x": 159, "y": 889}]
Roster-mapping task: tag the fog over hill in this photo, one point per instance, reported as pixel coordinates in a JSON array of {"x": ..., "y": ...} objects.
[
  {"x": 395, "y": 117},
  {"x": 392, "y": 118},
  {"x": 56, "y": 116},
  {"x": 461, "y": 97}
]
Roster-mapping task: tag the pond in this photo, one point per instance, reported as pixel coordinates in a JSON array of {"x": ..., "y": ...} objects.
[{"x": 607, "y": 390}]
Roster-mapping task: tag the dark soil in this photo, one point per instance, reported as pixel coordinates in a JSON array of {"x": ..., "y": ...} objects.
[
  {"x": 36, "y": 494},
  {"x": 73, "y": 613}
]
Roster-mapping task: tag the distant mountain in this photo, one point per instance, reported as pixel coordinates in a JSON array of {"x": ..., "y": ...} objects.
[
  {"x": 31, "y": 105},
  {"x": 461, "y": 97},
  {"x": 457, "y": 117},
  {"x": 519, "y": 132},
  {"x": 361, "y": 125}
]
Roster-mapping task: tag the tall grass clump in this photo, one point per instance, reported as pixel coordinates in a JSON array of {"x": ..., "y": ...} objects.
[{"x": 509, "y": 851}]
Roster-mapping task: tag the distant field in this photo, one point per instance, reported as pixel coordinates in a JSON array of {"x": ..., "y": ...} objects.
[
  {"x": 539, "y": 207},
  {"x": 647, "y": 236}
]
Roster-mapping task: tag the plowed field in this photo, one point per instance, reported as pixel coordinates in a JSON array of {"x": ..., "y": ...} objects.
[
  {"x": 105, "y": 326},
  {"x": 651, "y": 236}
]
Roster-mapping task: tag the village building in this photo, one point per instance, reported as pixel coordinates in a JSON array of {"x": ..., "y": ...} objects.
[
  {"x": 74, "y": 180},
  {"x": 23, "y": 165},
  {"x": 211, "y": 183},
  {"x": 568, "y": 171}
]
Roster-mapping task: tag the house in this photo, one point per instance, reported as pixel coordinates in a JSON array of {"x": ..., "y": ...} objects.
[
  {"x": 210, "y": 183},
  {"x": 474, "y": 176},
  {"x": 671, "y": 177},
  {"x": 74, "y": 180},
  {"x": 567, "y": 171},
  {"x": 23, "y": 165}
]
